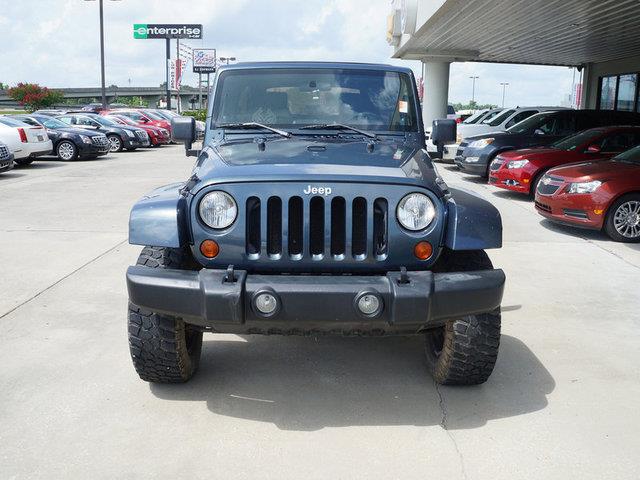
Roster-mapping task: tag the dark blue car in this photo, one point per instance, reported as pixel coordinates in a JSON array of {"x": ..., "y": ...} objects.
[{"x": 313, "y": 208}]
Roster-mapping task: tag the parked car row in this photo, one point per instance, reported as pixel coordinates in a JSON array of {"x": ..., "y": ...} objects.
[
  {"x": 75, "y": 134},
  {"x": 582, "y": 167}
]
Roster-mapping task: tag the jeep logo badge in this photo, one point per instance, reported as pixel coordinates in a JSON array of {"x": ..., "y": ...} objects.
[{"x": 317, "y": 190}]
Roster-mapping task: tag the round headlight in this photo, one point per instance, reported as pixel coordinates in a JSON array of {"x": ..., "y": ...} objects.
[
  {"x": 416, "y": 211},
  {"x": 218, "y": 209}
]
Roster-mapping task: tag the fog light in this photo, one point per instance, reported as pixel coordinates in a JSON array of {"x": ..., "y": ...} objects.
[
  {"x": 423, "y": 250},
  {"x": 369, "y": 304},
  {"x": 266, "y": 303},
  {"x": 209, "y": 248}
]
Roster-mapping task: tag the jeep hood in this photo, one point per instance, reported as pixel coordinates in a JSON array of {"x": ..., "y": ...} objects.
[{"x": 315, "y": 159}]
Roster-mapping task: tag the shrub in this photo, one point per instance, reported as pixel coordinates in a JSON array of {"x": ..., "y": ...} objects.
[
  {"x": 197, "y": 114},
  {"x": 33, "y": 96}
]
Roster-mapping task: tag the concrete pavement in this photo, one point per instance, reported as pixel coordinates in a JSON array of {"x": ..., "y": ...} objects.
[{"x": 562, "y": 402}]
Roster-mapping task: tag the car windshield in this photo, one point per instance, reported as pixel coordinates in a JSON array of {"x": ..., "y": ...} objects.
[
  {"x": 499, "y": 119},
  {"x": 629, "y": 156},
  {"x": 52, "y": 123},
  {"x": 574, "y": 141},
  {"x": 153, "y": 115},
  {"x": 532, "y": 123},
  {"x": 103, "y": 120},
  {"x": 475, "y": 118},
  {"x": 135, "y": 115},
  {"x": 293, "y": 98}
]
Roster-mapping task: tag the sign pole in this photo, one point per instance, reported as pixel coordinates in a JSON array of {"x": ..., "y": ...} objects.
[
  {"x": 167, "y": 67},
  {"x": 178, "y": 109},
  {"x": 200, "y": 91}
]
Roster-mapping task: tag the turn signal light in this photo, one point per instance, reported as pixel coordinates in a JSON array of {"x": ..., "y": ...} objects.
[
  {"x": 209, "y": 248},
  {"x": 423, "y": 250}
]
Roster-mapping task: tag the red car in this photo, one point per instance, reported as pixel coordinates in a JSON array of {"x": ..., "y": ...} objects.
[
  {"x": 141, "y": 118},
  {"x": 521, "y": 170},
  {"x": 598, "y": 195},
  {"x": 157, "y": 135}
]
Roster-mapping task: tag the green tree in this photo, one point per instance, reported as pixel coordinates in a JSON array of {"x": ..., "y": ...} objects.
[{"x": 33, "y": 96}]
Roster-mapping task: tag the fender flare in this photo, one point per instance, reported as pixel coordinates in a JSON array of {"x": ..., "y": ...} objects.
[
  {"x": 159, "y": 218},
  {"x": 472, "y": 222}
]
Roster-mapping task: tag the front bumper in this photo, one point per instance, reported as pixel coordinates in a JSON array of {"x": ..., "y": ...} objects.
[
  {"x": 473, "y": 160},
  {"x": 6, "y": 164},
  {"x": 514, "y": 179},
  {"x": 578, "y": 210},
  {"x": 314, "y": 303},
  {"x": 87, "y": 150}
]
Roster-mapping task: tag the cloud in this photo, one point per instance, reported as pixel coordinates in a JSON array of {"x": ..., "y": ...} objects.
[{"x": 56, "y": 42}]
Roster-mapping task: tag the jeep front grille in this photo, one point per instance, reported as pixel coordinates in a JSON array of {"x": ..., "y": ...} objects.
[{"x": 335, "y": 227}]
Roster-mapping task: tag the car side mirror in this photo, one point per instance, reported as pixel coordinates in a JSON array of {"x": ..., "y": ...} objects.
[
  {"x": 183, "y": 129},
  {"x": 593, "y": 149},
  {"x": 443, "y": 131}
]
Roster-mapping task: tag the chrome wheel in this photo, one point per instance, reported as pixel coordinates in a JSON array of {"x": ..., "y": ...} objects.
[
  {"x": 66, "y": 151},
  {"x": 115, "y": 143},
  {"x": 626, "y": 219}
]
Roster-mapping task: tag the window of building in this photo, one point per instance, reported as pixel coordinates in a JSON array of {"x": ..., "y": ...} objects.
[
  {"x": 608, "y": 93},
  {"x": 619, "y": 92},
  {"x": 626, "y": 92}
]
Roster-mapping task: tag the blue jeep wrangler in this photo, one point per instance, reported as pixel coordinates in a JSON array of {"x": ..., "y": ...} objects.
[{"x": 313, "y": 208}]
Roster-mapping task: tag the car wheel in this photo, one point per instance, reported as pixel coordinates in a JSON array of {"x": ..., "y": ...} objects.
[
  {"x": 464, "y": 350},
  {"x": 115, "y": 143},
  {"x": 623, "y": 219},
  {"x": 66, "y": 151},
  {"x": 164, "y": 349},
  {"x": 533, "y": 186}
]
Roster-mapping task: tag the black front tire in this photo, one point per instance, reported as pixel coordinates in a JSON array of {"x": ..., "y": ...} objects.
[
  {"x": 115, "y": 143},
  {"x": 67, "y": 151},
  {"x": 614, "y": 225},
  {"x": 164, "y": 349},
  {"x": 463, "y": 351}
]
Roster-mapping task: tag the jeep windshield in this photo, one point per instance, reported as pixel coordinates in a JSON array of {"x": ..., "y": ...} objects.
[{"x": 295, "y": 98}]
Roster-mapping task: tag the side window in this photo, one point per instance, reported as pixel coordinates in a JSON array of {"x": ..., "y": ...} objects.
[
  {"x": 565, "y": 125},
  {"x": 29, "y": 121},
  {"x": 67, "y": 119},
  {"x": 517, "y": 118},
  {"x": 619, "y": 142},
  {"x": 84, "y": 121}
]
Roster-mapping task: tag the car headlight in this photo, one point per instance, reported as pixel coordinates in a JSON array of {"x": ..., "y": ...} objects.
[
  {"x": 218, "y": 209},
  {"x": 517, "y": 163},
  {"x": 481, "y": 143},
  {"x": 165, "y": 132},
  {"x": 85, "y": 139},
  {"x": 130, "y": 134},
  {"x": 415, "y": 211},
  {"x": 584, "y": 187}
]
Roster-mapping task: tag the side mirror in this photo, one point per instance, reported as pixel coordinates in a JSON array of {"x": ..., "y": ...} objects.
[
  {"x": 183, "y": 129},
  {"x": 593, "y": 149},
  {"x": 443, "y": 131}
]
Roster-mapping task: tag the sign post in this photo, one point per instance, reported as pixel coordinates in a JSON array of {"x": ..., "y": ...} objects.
[
  {"x": 204, "y": 61},
  {"x": 144, "y": 31}
]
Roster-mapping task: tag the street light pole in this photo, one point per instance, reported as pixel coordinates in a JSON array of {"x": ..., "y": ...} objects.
[
  {"x": 504, "y": 88},
  {"x": 102, "y": 88},
  {"x": 473, "y": 88}
]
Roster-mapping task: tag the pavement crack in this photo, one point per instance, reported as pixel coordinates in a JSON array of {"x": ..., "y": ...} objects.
[
  {"x": 443, "y": 424},
  {"x": 60, "y": 280}
]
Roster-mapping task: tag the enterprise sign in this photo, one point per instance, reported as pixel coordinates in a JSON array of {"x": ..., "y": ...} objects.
[{"x": 166, "y": 30}]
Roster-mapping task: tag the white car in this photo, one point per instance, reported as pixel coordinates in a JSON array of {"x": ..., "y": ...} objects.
[{"x": 26, "y": 142}]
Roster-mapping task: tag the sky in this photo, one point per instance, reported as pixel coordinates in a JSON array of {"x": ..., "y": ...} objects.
[{"x": 56, "y": 43}]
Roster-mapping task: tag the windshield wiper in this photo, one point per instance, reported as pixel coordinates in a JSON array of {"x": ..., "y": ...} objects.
[
  {"x": 248, "y": 125},
  {"x": 338, "y": 126}
]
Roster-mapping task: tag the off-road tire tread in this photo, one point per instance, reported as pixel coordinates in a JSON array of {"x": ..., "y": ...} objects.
[
  {"x": 163, "y": 348},
  {"x": 471, "y": 344}
]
